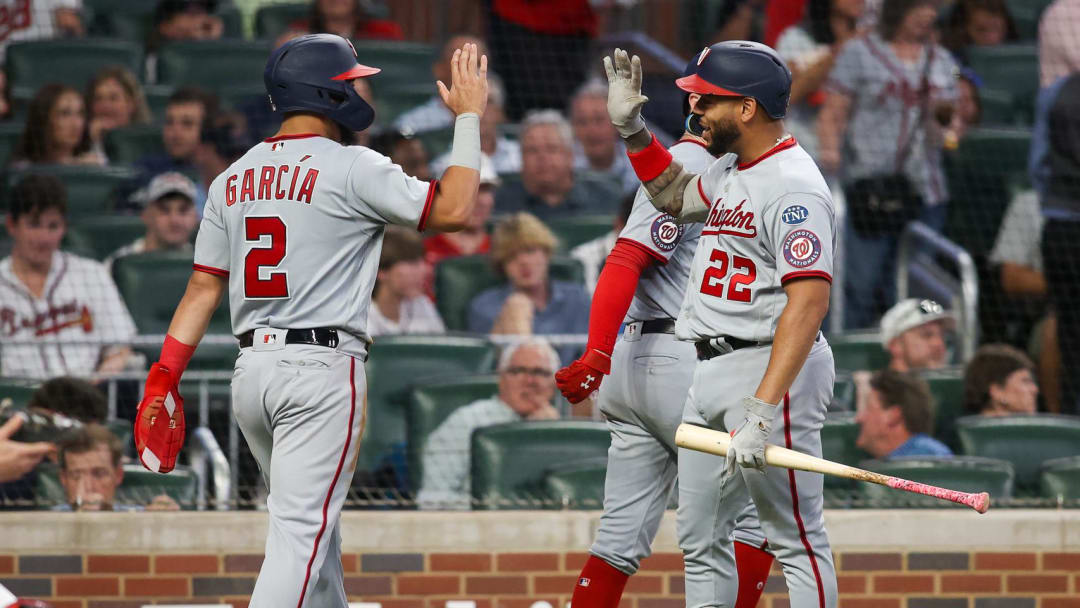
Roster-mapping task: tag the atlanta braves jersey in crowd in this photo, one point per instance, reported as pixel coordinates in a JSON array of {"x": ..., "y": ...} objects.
[
  {"x": 660, "y": 288},
  {"x": 769, "y": 221},
  {"x": 80, "y": 303},
  {"x": 296, "y": 224}
]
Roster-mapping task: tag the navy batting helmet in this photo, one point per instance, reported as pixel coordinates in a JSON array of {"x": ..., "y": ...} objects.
[
  {"x": 312, "y": 73},
  {"x": 742, "y": 69}
]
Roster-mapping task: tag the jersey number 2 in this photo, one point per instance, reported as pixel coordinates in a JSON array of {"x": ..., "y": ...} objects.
[
  {"x": 276, "y": 285},
  {"x": 712, "y": 283}
]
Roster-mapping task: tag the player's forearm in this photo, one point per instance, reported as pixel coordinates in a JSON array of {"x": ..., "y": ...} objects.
[
  {"x": 796, "y": 331},
  {"x": 201, "y": 299},
  {"x": 661, "y": 175}
]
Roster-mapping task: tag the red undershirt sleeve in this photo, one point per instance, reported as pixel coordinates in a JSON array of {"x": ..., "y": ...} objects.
[{"x": 614, "y": 291}]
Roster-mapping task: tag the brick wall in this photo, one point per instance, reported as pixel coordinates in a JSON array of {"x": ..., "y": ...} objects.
[{"x": 516, "y": 580}]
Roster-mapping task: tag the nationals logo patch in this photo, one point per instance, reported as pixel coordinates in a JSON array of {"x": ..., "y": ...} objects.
[
  {"x": 802, "y": 248},
  {"x": 795, "y": 214},
  {"x": 666, "y": 233}
]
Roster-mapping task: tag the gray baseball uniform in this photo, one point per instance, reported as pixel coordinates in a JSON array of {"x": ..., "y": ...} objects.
[
  {"x": 296, "y": 224},
  {"x": 769, "y": 221},
  {"x": 650, "y": 374}
]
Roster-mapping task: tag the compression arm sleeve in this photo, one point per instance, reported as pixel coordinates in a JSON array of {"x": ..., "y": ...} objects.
[{"x": 614, "y": 291}]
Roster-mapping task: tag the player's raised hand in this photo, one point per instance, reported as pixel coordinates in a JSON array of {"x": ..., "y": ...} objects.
[
  {"x": 468, "y": 90},
  {"x": 624, "y": 93}
]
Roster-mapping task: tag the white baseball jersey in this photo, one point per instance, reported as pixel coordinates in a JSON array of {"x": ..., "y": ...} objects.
[
  {"x": 297, "y": 226},
  {"x": 769, "y": 221},
  {"x": 79, "y": 303},
  {"x": 660, "y": 289}
]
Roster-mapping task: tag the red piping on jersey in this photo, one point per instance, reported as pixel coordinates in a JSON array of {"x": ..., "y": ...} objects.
[
  {"x": 432, "y": 185},
  {"x": 333, "y": 482},
  {"x": 802, "y": 274},
  {"x": 795, "y": 506},
  {"x": 271, "y": 140},
  {"x": 211, "y": 270},
  {"x": 645, "y": 248},
  {"x": 690, "y": 140},
  {"x": 701, "y": 191},
  {"x": 780, "y": 147}
]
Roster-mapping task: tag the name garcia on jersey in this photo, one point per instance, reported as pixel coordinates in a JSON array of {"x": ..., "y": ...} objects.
[{"x": 275, "y": 182}]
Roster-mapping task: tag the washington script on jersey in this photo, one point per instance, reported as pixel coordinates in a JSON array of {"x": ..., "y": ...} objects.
[
  {"x": 272, "y": 184},
  {"x": 734, "y": 222}
]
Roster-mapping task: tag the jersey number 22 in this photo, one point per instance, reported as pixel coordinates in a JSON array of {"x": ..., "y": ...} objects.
[
  {"x": 712, "y": 284},
  {"x": 276, "y": 285}
]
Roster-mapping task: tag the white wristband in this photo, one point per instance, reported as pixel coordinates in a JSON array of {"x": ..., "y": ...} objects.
[{"x": 465, "y": 152}]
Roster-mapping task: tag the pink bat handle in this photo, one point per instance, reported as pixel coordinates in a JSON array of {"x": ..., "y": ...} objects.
[{"x": 980, "y": 502}]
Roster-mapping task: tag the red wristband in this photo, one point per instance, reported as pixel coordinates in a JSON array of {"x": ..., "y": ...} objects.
[
  {"x": 175, "y": 355},
  {"x": 650, "y": 162}
]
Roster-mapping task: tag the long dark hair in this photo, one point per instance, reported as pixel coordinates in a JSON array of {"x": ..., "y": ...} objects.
[
  {"x": 893, "y": 13},
  {"x": 818, "y": 21},
  {"x": 34, "y": 142},
  {"x": 318, "y": 24}
]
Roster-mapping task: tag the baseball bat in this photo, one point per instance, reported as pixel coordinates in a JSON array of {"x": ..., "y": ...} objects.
[{"x": 716, "y": 442}]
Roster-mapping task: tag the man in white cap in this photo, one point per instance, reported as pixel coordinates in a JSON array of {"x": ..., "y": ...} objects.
[
  {"x": 913, "y": 333},
  {"x": 168, "y": 210}
]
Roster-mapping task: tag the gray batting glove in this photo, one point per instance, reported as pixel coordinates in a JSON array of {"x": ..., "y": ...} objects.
[
  {"x": 624, "y": 93},
  {"x": 748, "y": 444}
]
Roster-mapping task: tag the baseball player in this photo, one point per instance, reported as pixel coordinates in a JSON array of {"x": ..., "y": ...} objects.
[
  {"x": 292, "y": 230},
  {"x": 643, "y": 280},
  {"x": 758, "y": 291}
]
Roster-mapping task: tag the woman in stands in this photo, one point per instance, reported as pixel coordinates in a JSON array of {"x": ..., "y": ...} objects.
[
  {"x": 115, "y": 100},
  {"x": 55, "y": 131},
  {"x": 1000, "y": 381}
]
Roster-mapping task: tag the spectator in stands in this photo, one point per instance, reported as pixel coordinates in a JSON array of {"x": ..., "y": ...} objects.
[
  {"x": 115, "y": 100},
  {"x": 186, "y": 112},
  {"x": 41, "y": 20},
  {"x": 888, "y": 96},
  {"x": 17, "y": 459},
  {"x": 399, "y": 305},
  {"x": 403, "y": 149},
  {"x": 48, "y": 296},
  {"x": 967, "y": 109},
  {"x": 1059, "y": 49},
  {"x": 738, "y": 20},
  {"x": 55, "y": 131},
  {"x": 168, "y": 210},
  {"x": 433, "y": 114},
  {"x": 999, "y": 381},
  {"x": 597, "y": 146},
  {"x": 592, "y": 254},
  {"x": 530, "y": 302},
  {"x": 180, "y": 20},
  {"x": 503, "y": 151},
  {"x": 913, "y": 333},
  {"x": 526, "y": 388},
  {"x": 474, "y": 238},
  {"x": 548, "y": 188},
  {"x": 346, "y": 18},
  {"x": 73, "y": 397},
  {"x": 896, "y": 417},
  {"x": 978, "y": 23},
  {"x": 223, "y": 139},
  {"x": 810, "y": 49},
  {"x": 91, "y": 470}
]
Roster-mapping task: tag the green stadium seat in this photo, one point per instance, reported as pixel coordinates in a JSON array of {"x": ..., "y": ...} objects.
[
  {"x": 396, "y": 364},
  {"x": 843, "y": 394},
  {"x": 1060, "y": 479},
  {"x": 858, "y": 351},
  {"x": 947, "y": 387},
  {"x": 577, "y": 230},
  {"x": 10, "y": 132},
  {"x": 400, "y": 62},
  {"x": 1006, "y": 149},
  {"x": 157, "y": 97},
  {"x": 232, "y": 19},
  {"x": 601, "y": 187},
  {"x": 34, "y": 63},
  {"x": 121, "y": 19},
  {"x": 1025, "y": 14},
  {"x": 838, "y": 436},
  {"x": 1009, "y": 67},
  {"x": 576, "y": 486},
  {"x": 105, "y": 234},
  {"x": 126, "y": 145},
  {"x": 212, "y": 64},
  {"x": 435, "y": 142},
  {"x": 17, "y": 390},
  {"x": 139, "y": 486},
  {"x": 125, "y": 431},
  {"x": 273, "y": 20},
  {"x": 429, "y": 406},
  {"x": 458, "y": 279},
  {"x": 997, "y": 108},
  {"x": 962, "y": 473},
  {"x": 393, "y": 100},
  {"x": 1027, "y": 441},
  {"x": 90, "y": 190},
  {"x": 510, "y": 461}
]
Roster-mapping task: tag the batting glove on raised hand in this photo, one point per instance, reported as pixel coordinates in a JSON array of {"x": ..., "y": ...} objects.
[
  {"x": 624, "y": 99},
  {"x": 748, "y": 443},
  {"x": 582, "y": 377},
  {"x": 159, "y": 422}
]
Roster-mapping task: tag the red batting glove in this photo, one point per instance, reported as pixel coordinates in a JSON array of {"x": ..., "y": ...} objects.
[
  {"x": 159, "y": 423},
  {"x": 579, "y": 379}
]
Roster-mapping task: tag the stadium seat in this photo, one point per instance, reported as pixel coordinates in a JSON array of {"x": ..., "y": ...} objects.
[
  {"x": 34, "y": 63},
  {"x": 1009, "y": 67},
  {"x": 838, "y": 445},
  {"x": 510, "y": 461},
  {"x": 435, "y": 142},
  {"x": 962, "y": 473},
  {"x": 577, "y": 230},
  {"x": 401, "y": 62},
  {"x": 396, "y": 364},
  {"x": 1060, "y": 478},
  {"x": 392, "y": 100},
  {"x": 603, "y": 188},
  {"x": 1025, "y": 14},
  {"x": 10, "y": 132},
  {"x": 126, "y": 145},
  {"x": 1027, "y": 441},
  {"x": 121, "y": 19},
  {"x": 843, "y": 394},
  {"x": 947, "y": 387},
  {"x": 858, "y": 351},
  {"x": 125, "y": 431},
  {"x": 157, "y": 97},
  {"x": 212, "y": 64},
  {"x": 431, "y": 403},
  {"x": 104, "y": 234},
  {"x": 139, "y": 486},
  {"x": 996, "y": 149},
  {"x": 90, "y": 190},
  {"x": 458, "y": 279},
  {"x": 576, "y": 486},
  {"x": 273, "y": 20},
  {"x": 997, "y": 108},
  {"x": 232, "y": 20},
  {"x": 18, "y": 390}
]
